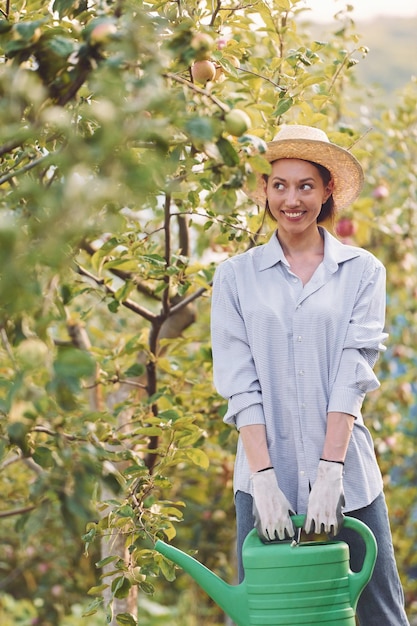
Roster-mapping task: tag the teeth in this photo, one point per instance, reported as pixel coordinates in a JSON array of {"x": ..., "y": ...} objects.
[{"x": 293, "y": 214}]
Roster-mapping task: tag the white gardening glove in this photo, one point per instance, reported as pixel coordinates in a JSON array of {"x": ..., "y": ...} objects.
[
  {"x": 326, "y": 499},
  {"x": 270, "y": 507}
]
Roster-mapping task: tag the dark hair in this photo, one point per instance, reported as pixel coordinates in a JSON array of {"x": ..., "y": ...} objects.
[{"x": 328, "y": 209}]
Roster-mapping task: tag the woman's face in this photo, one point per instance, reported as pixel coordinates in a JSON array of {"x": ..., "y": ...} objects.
[{"x": 296, "y": 191}]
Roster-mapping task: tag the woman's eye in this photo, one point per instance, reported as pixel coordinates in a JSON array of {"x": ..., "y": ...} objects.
[
  {"x": 279, "y": 186},
  {"x": 306, "y": 187}
]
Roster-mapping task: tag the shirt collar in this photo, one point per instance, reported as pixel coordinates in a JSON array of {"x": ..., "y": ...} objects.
[{"x": 335, "y": 252}]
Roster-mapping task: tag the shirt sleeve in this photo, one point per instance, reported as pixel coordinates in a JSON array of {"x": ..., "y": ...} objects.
[
  {"x": 363, "y": 343},
  {"x": 234, "y": 371}
]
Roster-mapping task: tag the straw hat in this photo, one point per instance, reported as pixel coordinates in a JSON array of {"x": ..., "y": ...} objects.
[{"x": 312, "y": 144}]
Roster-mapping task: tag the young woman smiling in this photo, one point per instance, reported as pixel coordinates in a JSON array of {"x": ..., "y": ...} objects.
[{"x": 297, "y": 327}]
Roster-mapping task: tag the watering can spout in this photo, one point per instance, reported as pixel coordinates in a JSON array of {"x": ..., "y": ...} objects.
[{"x": 230, "y": 598}]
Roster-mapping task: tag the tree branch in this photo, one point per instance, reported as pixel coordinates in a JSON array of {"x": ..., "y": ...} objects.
[
  {"x": 339, "y": 69},
  {"x": 24, "y": 169},
  {"x": 216, "y": 12},
  {"x": 269, "y": 80},
  {"x": 179, "y": 79},
  {"x": 129, "y": 304},
  {"x": 53, "y": 433},
  {"x": 183, "y": 303},
  {"x": 167, "y": 229},
  {"x": 22, "y": 511},
  {"x": 10, "y": 461}
]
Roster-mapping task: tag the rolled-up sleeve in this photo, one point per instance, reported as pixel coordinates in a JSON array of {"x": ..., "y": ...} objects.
[
  {"x": 363, "y": 343},
  {"x": 234, "y": 370}
]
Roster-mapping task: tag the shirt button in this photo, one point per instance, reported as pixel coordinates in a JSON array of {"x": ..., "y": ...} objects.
[
  {"x": 301, "y": 372},
  {"x": 303, "y": 405},
  {"x": 302, "y": 473},
  {"x": 295, "y": 280},
  {"x": 299, "y": 338}
]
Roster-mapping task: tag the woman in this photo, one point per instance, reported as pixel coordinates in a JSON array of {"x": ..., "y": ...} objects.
[{"x": 297, "y": 326}]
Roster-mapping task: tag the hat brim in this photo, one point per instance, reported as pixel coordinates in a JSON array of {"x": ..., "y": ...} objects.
[{"x": 345, "y": 169}]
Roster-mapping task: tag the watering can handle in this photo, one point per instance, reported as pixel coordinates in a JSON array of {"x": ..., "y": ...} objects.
[{"x": 357, "y": 580}]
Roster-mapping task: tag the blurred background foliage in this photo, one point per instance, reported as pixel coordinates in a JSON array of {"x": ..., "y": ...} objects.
[
  {"x": 391, "y": 60},
  {"x": 120, "y": 190}
]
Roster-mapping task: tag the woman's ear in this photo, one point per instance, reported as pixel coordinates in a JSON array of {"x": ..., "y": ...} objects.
[{"x": 328, "y": 190}]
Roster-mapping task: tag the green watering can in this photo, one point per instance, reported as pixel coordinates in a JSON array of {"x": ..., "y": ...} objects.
[{"x": 288, "y": 584}]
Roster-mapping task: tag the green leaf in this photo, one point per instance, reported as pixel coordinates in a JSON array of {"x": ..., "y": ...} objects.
[
  {"x": 74, "y": 363},
  {"x": 125, "y": 290},
  {"x": 229, "y": 67},
  {"x": 5, "y": 26},
  {"x": 168, "y": 415},
  {"x": 126, "y": 511},
  {"x": 147, "y": 587},
  {"x": 284, "y": 104},
  {"x": 43, "y": 457},
  {"x": 66, "y": 293},
  {"x": 26, "y": 30},
  {"x": 227, "y": 151},
  {"x": 122, "y": 264},
  {"x": 200, "y": 128},
  {"x": 135, "y": 470},
  {"x": 154, "y": 259},
  {"x": 167, "y": 568},
  {"x": 137, "y": 369},
  {"x": 61, "y": 46},
  {"x": 121, "y": 587},
  {"x": 126, "y": 619},
  {"x": 284, "y": 5},
  {"x": 149, "y": 431},
  {"x": 259, "y": 164},
  {"x": 113, "y": 306},
  {"x": 17, "y": 432},
  {"x": 89, "y": 536},
  {"x": 106, "y": 561},
  {"x": 171, "y": 511},
  {"x": 93, "y": 607},
  {"x": 69, "y": 7},
  {"x": 198, "y": 457},
  {"x": 224, "y": 200},
  {"x": 98, "y": 589},
  {"x": 352, "y": 63}
]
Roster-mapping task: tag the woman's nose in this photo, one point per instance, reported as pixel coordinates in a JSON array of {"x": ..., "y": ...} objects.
[{"x": 292, "y": 198}]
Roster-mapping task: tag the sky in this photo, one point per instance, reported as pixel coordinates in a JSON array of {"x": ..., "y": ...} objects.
[{"x": 323, "y": 10}]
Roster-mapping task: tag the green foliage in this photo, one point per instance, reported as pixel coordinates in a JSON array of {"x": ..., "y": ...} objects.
[{"x": 120, "y": 191}]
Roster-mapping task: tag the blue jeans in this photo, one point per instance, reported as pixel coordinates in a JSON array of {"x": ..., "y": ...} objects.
[{"x": 382, "y": 601}]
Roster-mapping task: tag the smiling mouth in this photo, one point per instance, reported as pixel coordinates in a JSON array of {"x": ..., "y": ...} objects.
[{"x": 293, "y": 214}]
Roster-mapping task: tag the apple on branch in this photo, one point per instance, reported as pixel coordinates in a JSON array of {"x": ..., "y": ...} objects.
[
  {"x": 345, "y": 228},
  {"x": 380, "y": 192},
  {"x": 203, "y": 71},
  {"x": 237, "y": 122},
  {"x": 102, "y": 33}
]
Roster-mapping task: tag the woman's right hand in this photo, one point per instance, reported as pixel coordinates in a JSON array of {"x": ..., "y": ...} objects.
[{"x": 270, "y": 507}]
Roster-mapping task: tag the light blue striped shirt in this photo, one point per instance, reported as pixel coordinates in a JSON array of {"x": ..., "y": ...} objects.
[{"x": 286, "y": 354}]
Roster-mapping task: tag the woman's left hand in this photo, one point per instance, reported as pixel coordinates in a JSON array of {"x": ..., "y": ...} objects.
[{"x": 324, "y": 511}]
